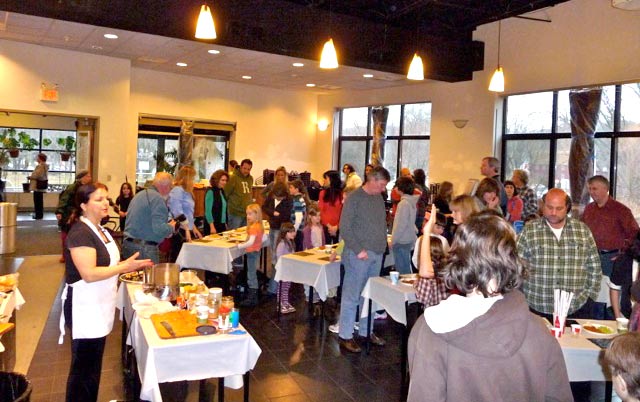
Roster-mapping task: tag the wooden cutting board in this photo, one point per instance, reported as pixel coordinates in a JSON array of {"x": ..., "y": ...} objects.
[{"x": 182, "y": 321}]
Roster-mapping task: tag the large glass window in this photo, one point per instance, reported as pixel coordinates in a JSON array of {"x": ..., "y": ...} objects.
[
  {"x": 30, "y": 142},
  {"x": 158, "y": 143},
  {"x": 533, "y": 141},
  {"x": 407, "y": 136}
]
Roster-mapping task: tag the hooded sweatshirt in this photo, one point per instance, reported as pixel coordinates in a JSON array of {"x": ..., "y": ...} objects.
[
  {"x": 404, "y": 223},
  {"x": 485, "y": 349}
]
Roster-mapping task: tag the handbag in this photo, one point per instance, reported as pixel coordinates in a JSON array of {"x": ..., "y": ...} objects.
[{"x": 42, "y": 184}]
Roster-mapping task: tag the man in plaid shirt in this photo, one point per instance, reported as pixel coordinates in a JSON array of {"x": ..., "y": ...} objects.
[{"x": 562, "y": 255}]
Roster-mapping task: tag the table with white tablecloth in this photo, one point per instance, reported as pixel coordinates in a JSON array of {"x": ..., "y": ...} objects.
[
  {"x": 310, "y": 267},
  {"x": 215, "y": 253},
  {"x": 9, "y": 302},
  {"x": 190, "y": 358}
]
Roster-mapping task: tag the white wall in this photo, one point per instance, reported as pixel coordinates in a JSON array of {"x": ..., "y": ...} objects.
[
  {"x": 274, "y": 127},
  {"x": 587, "y": 43}
]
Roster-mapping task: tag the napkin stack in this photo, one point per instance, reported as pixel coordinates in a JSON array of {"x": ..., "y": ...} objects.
[{"x": 561, "y": 304}]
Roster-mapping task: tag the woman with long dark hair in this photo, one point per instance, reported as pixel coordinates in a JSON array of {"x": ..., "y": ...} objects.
[
  {"x": 330, "y": 205},
  {"x": 215, "y": 204},
  {"x": 92, "y": 267}
]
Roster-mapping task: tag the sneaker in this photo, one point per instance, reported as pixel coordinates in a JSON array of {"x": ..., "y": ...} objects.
[
  {"x": 380, "y": 316},
  {"x": 335, "y": 328},
  {"x": 287, "y": 309}
]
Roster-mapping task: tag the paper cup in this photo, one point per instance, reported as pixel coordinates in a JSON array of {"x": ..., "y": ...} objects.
[
  {"x": 623, "y": 325},
  {"x": 557, "y": 332},
  {"x": 394, "y": 276},
  {"x": 576, "y": 329}
]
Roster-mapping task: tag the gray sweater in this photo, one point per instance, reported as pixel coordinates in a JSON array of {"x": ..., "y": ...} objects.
[
  {"x": 404, "y": 224},
  {"x": 363, "y": 224}
]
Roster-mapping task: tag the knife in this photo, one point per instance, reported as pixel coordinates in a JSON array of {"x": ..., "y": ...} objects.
[{"x": 169, "y": 328}]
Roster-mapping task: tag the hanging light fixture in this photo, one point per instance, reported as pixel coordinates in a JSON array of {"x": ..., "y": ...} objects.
[
  {"x": 497, "y": 80},
  {"x": 329, "y": 57},
  {"x": 205, "y": 29},
  {"x": 416, "y": 69}
]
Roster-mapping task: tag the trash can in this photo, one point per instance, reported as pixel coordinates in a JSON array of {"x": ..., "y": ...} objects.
[
  {"x": 8, "y": 224},
  {"x": 14, "y": 387}
]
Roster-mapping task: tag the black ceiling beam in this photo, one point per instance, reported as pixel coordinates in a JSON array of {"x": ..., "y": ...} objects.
[{"x": 299, "y": 28}]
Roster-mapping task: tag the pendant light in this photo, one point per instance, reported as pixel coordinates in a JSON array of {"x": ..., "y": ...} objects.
[
  {"x": 497, "y": 80},
  {"x": 205, "y": 29},
  {"x": 329, "y": 57},
  {"x": 416, "y": 69}
]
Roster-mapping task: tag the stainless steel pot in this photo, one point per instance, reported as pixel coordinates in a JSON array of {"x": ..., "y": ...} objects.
[{"x": 166, "y": 280}]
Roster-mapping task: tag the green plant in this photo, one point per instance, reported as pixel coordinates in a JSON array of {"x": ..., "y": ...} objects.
[
  {"x": 9, "y": 138},
  {"x": 26, "y": 141},
  {"x": 46, "y": 142},
  {"x": 68, "y": 142}
]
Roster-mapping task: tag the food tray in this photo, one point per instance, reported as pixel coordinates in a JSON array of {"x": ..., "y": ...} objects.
[
  {"x": 132, "y": 277},
  {"x": 598, "y": 329}
]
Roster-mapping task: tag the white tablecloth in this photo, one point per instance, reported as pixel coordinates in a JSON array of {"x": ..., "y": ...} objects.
[
  {"x": 581, "y": 356},
  {"x": 310, "y": 270},
  {"x": 386, "y": 296},
  {"x": 213, "y": 253},
  {"x": 12, "y": 301},
  {"x": 192, "y": 358}
]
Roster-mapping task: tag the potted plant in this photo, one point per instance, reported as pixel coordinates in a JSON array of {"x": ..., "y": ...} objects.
[
  {"x": 10, "y": 141},
  {"x": 69, "y": 143}
]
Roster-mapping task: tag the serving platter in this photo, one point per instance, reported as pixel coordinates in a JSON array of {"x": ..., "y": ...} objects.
[
  {"x": 132, "y": 277},
  {"x": 598, "y": 329}
]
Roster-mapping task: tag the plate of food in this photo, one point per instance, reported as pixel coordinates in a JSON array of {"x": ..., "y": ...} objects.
[
  {"x": 409, "y": 279},
  {"x": 598, "y": 329},
  {"x": 132, "y": 277}
]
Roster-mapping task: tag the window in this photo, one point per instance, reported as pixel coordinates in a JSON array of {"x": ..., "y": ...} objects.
[
  {"x": 537, "y": 138},
  {"x": 31, "y": 143},
  {"x": 408, "y": 131},
  {"x": 158, "y": 147}
]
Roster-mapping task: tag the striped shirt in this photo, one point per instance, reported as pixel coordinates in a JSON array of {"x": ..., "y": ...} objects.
[{"x": 571, "y": 263}]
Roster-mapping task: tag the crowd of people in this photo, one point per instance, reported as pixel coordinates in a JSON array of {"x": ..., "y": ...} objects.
[{"x": 477, "y": 279}]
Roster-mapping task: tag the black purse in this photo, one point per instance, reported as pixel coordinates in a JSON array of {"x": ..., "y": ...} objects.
[{"x": 42, "y": 184}]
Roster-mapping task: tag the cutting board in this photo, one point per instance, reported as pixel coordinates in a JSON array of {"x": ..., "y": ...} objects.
[{"x": 182, "y": 321}]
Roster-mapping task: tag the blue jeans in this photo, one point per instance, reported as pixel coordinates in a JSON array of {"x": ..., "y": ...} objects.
[
  {"x": 146, "y": 251},
  {"x": 356, "y": 274},
  {"x": 607, "y": 263},
  {"x": 236, "y": 221},
  {"x": 253, "y": 259},
  {"x": 402, "y": 257}
]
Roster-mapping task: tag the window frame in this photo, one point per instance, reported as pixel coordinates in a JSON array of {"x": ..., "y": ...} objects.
[
  {"x": 368, "y": 138},
  {"x": 554, "y": 136}
]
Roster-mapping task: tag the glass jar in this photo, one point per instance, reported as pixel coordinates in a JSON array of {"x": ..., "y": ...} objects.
[
  {"x": 214, "y": 299},
  {"x": 226, "y": 304}
]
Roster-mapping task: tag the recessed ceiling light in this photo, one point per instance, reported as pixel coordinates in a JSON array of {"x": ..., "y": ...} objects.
[
  {"x": 181, "y": 64},
  {"x": 311, "y": 85},
  {"x": 367, "y": 75},
  {"x": 213, "y": 51},
  {"x": 111, "y": 36},
  {"x": 298, "y": 64},
  {"x": 246, "y": 77}
]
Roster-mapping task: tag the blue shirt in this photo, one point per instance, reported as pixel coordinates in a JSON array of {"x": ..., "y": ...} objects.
[
  {"x": 147, "y": 217},
  {"x": 182, "y": 202}
]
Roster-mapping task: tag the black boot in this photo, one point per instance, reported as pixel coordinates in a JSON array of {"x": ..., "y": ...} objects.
[{"x": 252, "y": 298}]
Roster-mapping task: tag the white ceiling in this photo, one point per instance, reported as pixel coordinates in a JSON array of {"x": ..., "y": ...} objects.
[{"x": 162, "y": 53}]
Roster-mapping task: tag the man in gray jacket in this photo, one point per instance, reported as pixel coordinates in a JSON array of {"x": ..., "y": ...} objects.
[{"x": 364, "y": 231}]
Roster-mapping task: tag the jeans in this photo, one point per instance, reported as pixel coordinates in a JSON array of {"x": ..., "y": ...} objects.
[
  {"x": 38, "y": 204},
  {"x": 356, "y": 274},
  {"x": 146, "y": 251},
  {"x": 236, "y": 221},
  {"x": 402, "y": 257},
  {"x": 253, "y": 259},
  {"x": 607, "y": 263}
]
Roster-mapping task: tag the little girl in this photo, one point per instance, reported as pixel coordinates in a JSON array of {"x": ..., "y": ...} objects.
[
  {"x": 122, "y": 202},
  {"x": 430, "y": 289},
  {"x": 313, "y": 232},
  {"x": 313, "y": 236},
  {"x": 252, "y": 247},
  {"x": 301, "y": 202},
  {"x": 285, "y": 245}
]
